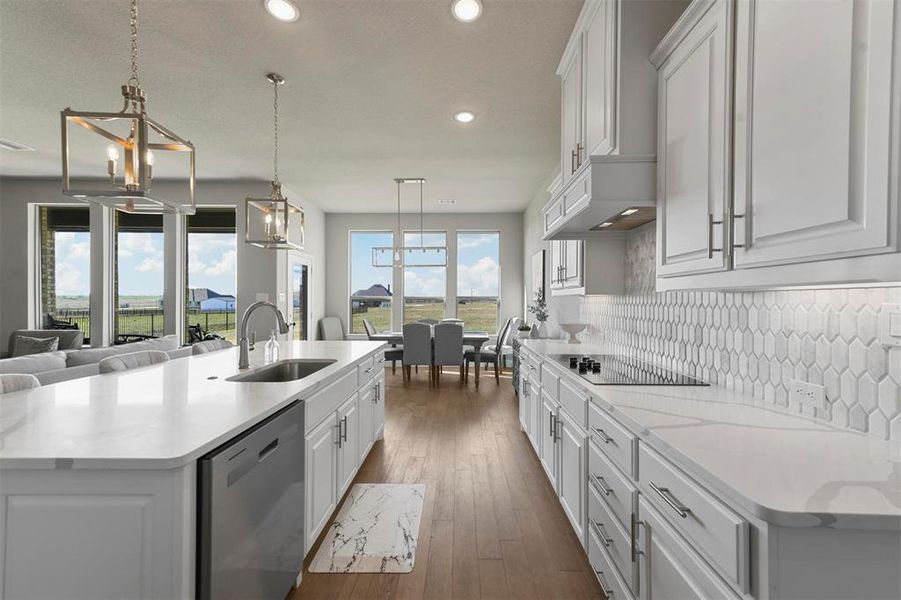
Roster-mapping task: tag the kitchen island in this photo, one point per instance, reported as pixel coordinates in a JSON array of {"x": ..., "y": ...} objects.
[
  {"x": 701, "y": 491},
  {"x": 98, "y": 476}
]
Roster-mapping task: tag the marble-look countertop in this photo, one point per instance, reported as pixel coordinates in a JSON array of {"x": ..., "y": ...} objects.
[
  {"x": 158, "y": 417},
  {"x": 780, "y": 466}
]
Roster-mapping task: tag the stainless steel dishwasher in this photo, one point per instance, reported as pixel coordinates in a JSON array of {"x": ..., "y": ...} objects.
[{"x": 250, "y": 511}]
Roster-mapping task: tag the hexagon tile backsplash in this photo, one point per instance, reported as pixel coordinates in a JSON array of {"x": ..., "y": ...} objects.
[{"x": 756, "y": 342}]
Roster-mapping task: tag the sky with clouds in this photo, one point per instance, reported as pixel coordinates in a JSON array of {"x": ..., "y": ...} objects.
[
  {"x": 211, "y": 263},
  {"x": 478, "y": 258}
]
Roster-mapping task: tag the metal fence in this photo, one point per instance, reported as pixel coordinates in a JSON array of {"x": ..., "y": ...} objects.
[{"x": 151, "y": 321}]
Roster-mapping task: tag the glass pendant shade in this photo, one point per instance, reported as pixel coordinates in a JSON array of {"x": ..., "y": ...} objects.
[
  {"x": 273, "y": 223},
  {"x": 111, "y": 158}
]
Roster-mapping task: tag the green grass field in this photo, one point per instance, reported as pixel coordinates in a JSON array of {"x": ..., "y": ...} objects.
[{"x": 477, "y": 315}]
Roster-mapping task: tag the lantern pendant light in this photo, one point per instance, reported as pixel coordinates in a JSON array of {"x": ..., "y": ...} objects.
[
  {"x": 115, "y": 153},
  {"x": 400, "y": 255},
  {"x": 273, "y": 222}
]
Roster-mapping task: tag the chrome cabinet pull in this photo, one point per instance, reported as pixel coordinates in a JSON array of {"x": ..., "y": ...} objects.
[
  {"x": 607, "y": 591},
  {"x": 604, "y": 437},
  {"x": 668, "y": 497},
  {"x": 344, "y": 428},
  {"x": 572, "y": 162},
  {"x": 369, "y": 370},
  {"x": 338, "y": 427},
  {"x": 552, "y": 424},
  {"x": 734, "y": 245},
  {"x": 558, "y": 436},
  {"x": 602, "y": 484},
  {"x": 579, "y": 149},
  {"x": 710, "y": 224},
  {"x": 602, "y": 533},
  {"x": 633, "y": 533}
]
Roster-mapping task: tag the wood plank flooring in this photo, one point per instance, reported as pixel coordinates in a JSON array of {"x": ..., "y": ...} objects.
[{"x": 492, "y": 526}]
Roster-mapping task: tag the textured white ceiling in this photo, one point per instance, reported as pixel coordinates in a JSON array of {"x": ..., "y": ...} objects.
[{"x": 371, "y": 90}]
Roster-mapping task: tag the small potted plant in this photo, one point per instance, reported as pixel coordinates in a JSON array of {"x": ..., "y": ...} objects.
[
  {"x": 524, "y": 330},
  {"x": 539, "y": 309}
]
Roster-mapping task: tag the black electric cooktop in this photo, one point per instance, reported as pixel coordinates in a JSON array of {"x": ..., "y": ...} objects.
[{"x": 613, "y": 369}]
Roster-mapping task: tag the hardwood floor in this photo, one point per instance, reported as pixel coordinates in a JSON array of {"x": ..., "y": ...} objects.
[{"x": 492, "y": 526}]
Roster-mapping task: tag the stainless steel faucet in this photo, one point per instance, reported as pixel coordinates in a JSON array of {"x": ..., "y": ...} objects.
[{"x": 244, "y": 360}]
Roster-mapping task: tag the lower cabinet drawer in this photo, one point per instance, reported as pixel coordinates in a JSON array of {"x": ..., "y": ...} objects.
[
  {"x": 669, "y": 567},
  {"x": 575, "y": 402},
  {"x": 719, "y": 534},
  {"x": 612, "y": 536},
  {"x": 608, "y": 576},
  {"x": 366, "y": 369},
  {"x": 615, "y": 489},
  {"x": 550, "y": 381},
  {"x": 618, "y": 443}
]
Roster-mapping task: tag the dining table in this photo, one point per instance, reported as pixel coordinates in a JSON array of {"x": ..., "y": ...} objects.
[{"x": 470, "y": 338}]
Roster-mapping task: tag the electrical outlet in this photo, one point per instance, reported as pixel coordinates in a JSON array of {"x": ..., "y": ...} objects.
[{"x": 807, "y": 394}]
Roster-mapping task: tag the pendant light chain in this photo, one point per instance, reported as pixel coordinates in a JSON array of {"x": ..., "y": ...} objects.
[
  {"x": 134, "y": 80},
  {"x": 275, "y": 126}
]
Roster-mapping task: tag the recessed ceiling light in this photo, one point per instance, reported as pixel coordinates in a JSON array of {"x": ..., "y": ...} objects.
[
  {"x": 283, "y": 10},
  {"x": 464, "y": 117},
  {"x": 605, "y": 224},
  {"x": 466, "y": 11},
  {"x": 629, "y": 211}
]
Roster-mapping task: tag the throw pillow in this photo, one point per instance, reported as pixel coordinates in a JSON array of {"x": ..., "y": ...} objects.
[{"x": 31, "y": 345}]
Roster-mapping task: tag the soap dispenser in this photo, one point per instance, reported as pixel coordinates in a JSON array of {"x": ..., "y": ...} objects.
[{"x": 271, "y": 351}]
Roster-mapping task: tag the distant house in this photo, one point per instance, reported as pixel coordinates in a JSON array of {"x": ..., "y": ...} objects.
[
  {"x": 218, "y": 303},
  {"x": 198, "y": 296},
  {"x": 375, "y": 296}
]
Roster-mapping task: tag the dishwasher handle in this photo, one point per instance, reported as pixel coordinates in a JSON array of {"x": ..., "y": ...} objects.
[{"x": 269, "y": 449}]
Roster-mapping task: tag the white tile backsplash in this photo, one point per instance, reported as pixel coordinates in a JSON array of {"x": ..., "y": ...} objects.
[{"x": 756, "y": 341}]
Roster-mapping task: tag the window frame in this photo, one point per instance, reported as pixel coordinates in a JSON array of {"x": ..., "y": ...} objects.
[
  {"x": 447, "y": 282},
  {"x": 349, "y": 299},
  {"x": 500, "y": 263}
]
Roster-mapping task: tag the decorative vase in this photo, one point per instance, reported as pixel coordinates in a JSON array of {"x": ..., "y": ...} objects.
[
  {"x": 542, "y": 329},
  {"x": 534, "y": 333}
]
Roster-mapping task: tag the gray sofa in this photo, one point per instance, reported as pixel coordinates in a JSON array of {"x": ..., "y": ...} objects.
[{"x": 63, "y": 365}]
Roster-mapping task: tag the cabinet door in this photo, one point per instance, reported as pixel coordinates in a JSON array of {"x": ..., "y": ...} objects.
[
  {"x": 572, "y": 263},
  {"x": 378, "y": 415},
  {"x": 349, "y": 448},
  {"x": 572, "y": 478},
  {"x": 693, "y": 87},
  {"x": 525, "y": 405},
  {"x": 535, "y": 417},
  {"x": 599, "y": 80},
  {"x": 571, "y": 116},
  {"x": 320, "y": 477},
  {"x": 556, "y": 275},
  {"x": 669, "y": 567},
  {"x": 813, "y": 130},
  {"x": 548, "y": 436},
  {"x": 367, "y": 419}
]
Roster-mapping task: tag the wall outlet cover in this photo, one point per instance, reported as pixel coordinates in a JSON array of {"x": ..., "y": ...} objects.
[
  {"x": 890, "y": 325},
  {"x": 807, "y": 394}
]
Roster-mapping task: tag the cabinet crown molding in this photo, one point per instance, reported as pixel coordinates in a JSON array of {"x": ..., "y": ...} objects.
[
  {"x": 589, "y": 9},
  {"x": 679, "y": 30}
]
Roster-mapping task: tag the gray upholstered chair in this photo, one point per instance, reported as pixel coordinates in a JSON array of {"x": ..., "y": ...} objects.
[
  {"x": 448, "y": 348},
  {"x": 503, "y": 341},
  {"x": 17, "y": 382},
  {"x": 132, "y": 360},
  {"x": 330, "y": 328},
  {"x": 417, "y": 348},
  {"x": 489, "y": 354},
  {"x": 207, "y": 346},
  {"x": 393, "y": 354}
]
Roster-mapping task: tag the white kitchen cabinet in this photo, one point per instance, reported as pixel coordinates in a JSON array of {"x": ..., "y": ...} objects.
[
  {"x": 571, "y": 115},
  {"x": 378, "y": 413},
  {"x": 599, "y": 47},
  {"x": 813, "y": 115},
  {"x": 566, "y": 266},
  {"x": 367, "y": 419},
  {"x": 547, "y": 433},
  {"x": 348, "y": 442},
  {"x": 693, "y": 95},
  {"x": 572, "y": 473},
  {"x": 320, "y": 478}
]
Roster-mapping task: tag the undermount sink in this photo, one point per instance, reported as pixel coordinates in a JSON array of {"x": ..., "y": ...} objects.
[{"x": 283, "y": 370}]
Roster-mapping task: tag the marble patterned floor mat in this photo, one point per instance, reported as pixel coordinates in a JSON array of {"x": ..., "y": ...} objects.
[{"x": 375, "y": 531}]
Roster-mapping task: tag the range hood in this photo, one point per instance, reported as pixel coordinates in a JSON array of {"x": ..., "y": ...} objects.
[{"x": 608, "y": 193}]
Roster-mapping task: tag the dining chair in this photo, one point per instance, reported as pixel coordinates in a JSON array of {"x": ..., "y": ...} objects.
[
  {"x": 17, "y": 382},
  {"x": 132, "y": 360},
  {"x": 452, "y": 320},
  {"x": 207, "y": 346},
  {"x": 417, "y": 348},
  {"x": 330, "y": 328},
  {"x": 393, "y": 354},
  {"x": 448, "y": 348},
  {"x": 488, "y": 355},
  {"x": 502, "y": 346}
]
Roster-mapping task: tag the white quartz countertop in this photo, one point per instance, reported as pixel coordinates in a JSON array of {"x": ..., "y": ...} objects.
[
  {"x": 157, "y": 417},
  {"x": 782, "y": 467}
]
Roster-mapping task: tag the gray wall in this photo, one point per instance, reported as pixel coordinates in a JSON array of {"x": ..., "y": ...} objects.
[
  {"x": 338, "y": 226},
  {"x": 259, "y": 271}
]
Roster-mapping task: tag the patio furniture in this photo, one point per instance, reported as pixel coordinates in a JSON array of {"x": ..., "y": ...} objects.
[
  {"x": 448, "y": 348},
  {"x": 132, "y": 360},
  {"x": 417, "y": 351}
]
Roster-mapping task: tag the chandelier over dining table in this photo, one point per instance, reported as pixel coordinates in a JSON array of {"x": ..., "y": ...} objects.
[
  {"x": 115, "y": 154},
  {"x": 400, "y": 254}
]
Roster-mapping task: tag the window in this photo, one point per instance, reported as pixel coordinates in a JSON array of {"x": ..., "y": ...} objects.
[
  {"x": 425, "y": 288},
  {"x": 370, "y": 286},
  {"x": 211, "y": 274},
  {"x": 65, "y": 276},
  {"x": 139, "y": 277},
  {"x": 478, "y": 280},
  {"x": 299, "y": 292}
]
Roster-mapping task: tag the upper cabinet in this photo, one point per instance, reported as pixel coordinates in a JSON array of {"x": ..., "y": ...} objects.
[
  {"x": 800, "y": 185},
  {"x": 608, "y": 118}
]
